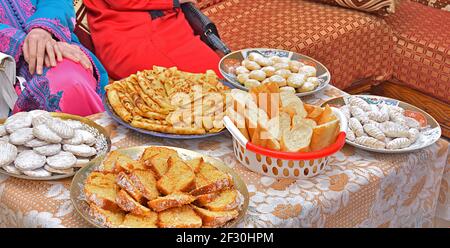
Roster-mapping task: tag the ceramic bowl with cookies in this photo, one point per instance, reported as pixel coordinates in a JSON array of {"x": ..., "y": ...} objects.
[{"x": 293, "y": 72}]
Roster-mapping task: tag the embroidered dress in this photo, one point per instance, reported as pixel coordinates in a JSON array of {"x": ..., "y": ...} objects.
[
  {"x": 68, "y": 87},
  {"x": 133, "y": 35}
]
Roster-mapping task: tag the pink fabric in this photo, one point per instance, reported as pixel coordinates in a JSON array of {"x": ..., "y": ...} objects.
[{"x": 78, "y": 89}]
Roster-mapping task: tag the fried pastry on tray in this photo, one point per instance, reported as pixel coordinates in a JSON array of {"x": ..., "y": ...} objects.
[
  {"x": 181, "y": 217},
  {"x": 179, "y": 177},
  {"x": 122, "y": 195},
  {"x": 148, "y": 99}
]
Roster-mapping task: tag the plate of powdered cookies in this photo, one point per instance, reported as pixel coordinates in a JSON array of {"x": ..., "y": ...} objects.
[{"x": 41, "y": 145}]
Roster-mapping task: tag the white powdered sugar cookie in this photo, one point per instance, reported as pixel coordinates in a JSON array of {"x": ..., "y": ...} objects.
[
  {"x": 360, "y": 103},
  {"x": 370, "y": 142},
  {"x": 359, "y": 114},
  {"x": 346, "y": 111},
  {"x": 411, "y": 122},
  {"x": 8, "y": 153},
  {"x": 413, "y": 135},
  {"x": 37, "y": 173},
  {"x": 88, "y": 138},
  {"x": 77, "y": 138},
  {"x": 374, "y": 131},
  {"x": 62, "y": 160},
  {"x": 350, "y": 135},
  {"x": 29, "y": 160},
  {"x": 22, "y": 148},
  {"x": 18, "y": 121},
  {"x": 48, "y": 150},
  {"x": 38, "y": 112},
  {"x": 42, "y": 132},
  {"x": 36, "y": 143},
  {"x": 3, "y": 130},
  {"x": 356, "y": 126},
  {"x": 21, "y": 136},
  {"x": 4, "y": 139},
  {"x": 41, "y": 118},
  {"x": 10, "y": 168},
  {"x": 398, "y": 143},
  {"x": 74, "y": 124},
  {"x": 60, "y": 128},
  {"x": 60, "y": 171},
  {"x": 80, "y": 150}
]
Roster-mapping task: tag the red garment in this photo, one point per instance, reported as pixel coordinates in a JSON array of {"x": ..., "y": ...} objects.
[{"x": 127, "y": 40}]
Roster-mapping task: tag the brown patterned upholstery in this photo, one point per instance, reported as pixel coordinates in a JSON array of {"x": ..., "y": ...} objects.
[
  {"x": 422, "y": 52},
  {"x": 438, "y": 4},
  {"x": 207, "y": 3},
  {"x": 379, "y": 7},
  {"x": 352, "y": 44}
]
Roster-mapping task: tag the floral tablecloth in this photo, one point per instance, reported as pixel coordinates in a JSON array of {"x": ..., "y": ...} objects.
[{"x": 358, "y": 189}]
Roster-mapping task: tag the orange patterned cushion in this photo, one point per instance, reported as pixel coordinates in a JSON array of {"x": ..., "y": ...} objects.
[
  {"x": 207, "y": 3},
  {"x": 380, "y": 7},
  {"x": 352, "y": 44},
  {"x": 422, "y": 52},
  {"x": 438, "y": 4}
]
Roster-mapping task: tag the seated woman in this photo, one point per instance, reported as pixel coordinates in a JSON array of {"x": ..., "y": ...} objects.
[
  {"x": 133, "y": 35},
  {"x": 60, "y": 74}
]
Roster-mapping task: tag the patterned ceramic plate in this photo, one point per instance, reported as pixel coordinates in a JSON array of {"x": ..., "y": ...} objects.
[
  {"x": 103, "y": 143},
  {"x": 113, "y": 115},
  {"x": 430, "y": 133},
  {"x": 234, "y": 59},
  {"x": 79, "y": 199}
]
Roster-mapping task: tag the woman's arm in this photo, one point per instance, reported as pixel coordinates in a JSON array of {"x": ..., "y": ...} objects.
[
  {"x": 54, "y": 16},
  {"x": 11, "y": 41},
  {"x": 143, "y": 4}
]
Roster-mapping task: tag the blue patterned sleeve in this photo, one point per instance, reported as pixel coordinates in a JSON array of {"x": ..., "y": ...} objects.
[
  {"x": 55, "y": 16},
  {"x": 11, "y": 41}
]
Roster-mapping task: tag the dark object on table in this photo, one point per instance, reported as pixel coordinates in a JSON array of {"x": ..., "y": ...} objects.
[{"x": 204, "y": 27}]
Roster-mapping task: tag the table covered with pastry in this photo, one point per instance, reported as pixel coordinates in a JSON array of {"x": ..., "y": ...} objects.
[{"x": 357, "y": 188}]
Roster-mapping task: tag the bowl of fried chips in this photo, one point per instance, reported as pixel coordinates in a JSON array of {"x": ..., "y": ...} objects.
[
  {"x": 277, "y": 135},
  {"x": 168, "y": 103}
]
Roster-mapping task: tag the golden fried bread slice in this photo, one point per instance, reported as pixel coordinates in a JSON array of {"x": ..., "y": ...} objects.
[
  {"x": 109, "y": 163},
  {"x": 101, "y": 179},
  {"x": 226, "y": 200},
  {"x": 128, "y": 204},
  {"x": 145, "y": 182},
  {"x": 136, "y": 221},
  {"x": 181, "y": 217},
  {"x": 195, "y": 164},
  {"x": 123, "y": 181},
  {"x": 108, "y": 218},
  {"x": 156, "y": 158},
  {"x": 123, "y": 162},
  {"x": 209, "y": 179},
  {"x": 176, "y": 199},
  {"x": 103, "y": 197},
  {"x": 206, "y": 198},
  {"x": 215, "y": 218},
  {"x": 179, "y": 177}
]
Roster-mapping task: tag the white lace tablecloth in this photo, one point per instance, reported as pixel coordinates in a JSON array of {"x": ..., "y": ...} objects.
[{"x": 358, "y": 189}]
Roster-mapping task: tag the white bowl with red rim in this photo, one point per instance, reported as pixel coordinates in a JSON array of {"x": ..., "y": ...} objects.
[{"x": 278, "y": 164}]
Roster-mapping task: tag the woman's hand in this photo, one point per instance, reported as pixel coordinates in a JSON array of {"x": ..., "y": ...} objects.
[
  {"x": 38, "y": 43},
  {"x": 73, "y": 53}
]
